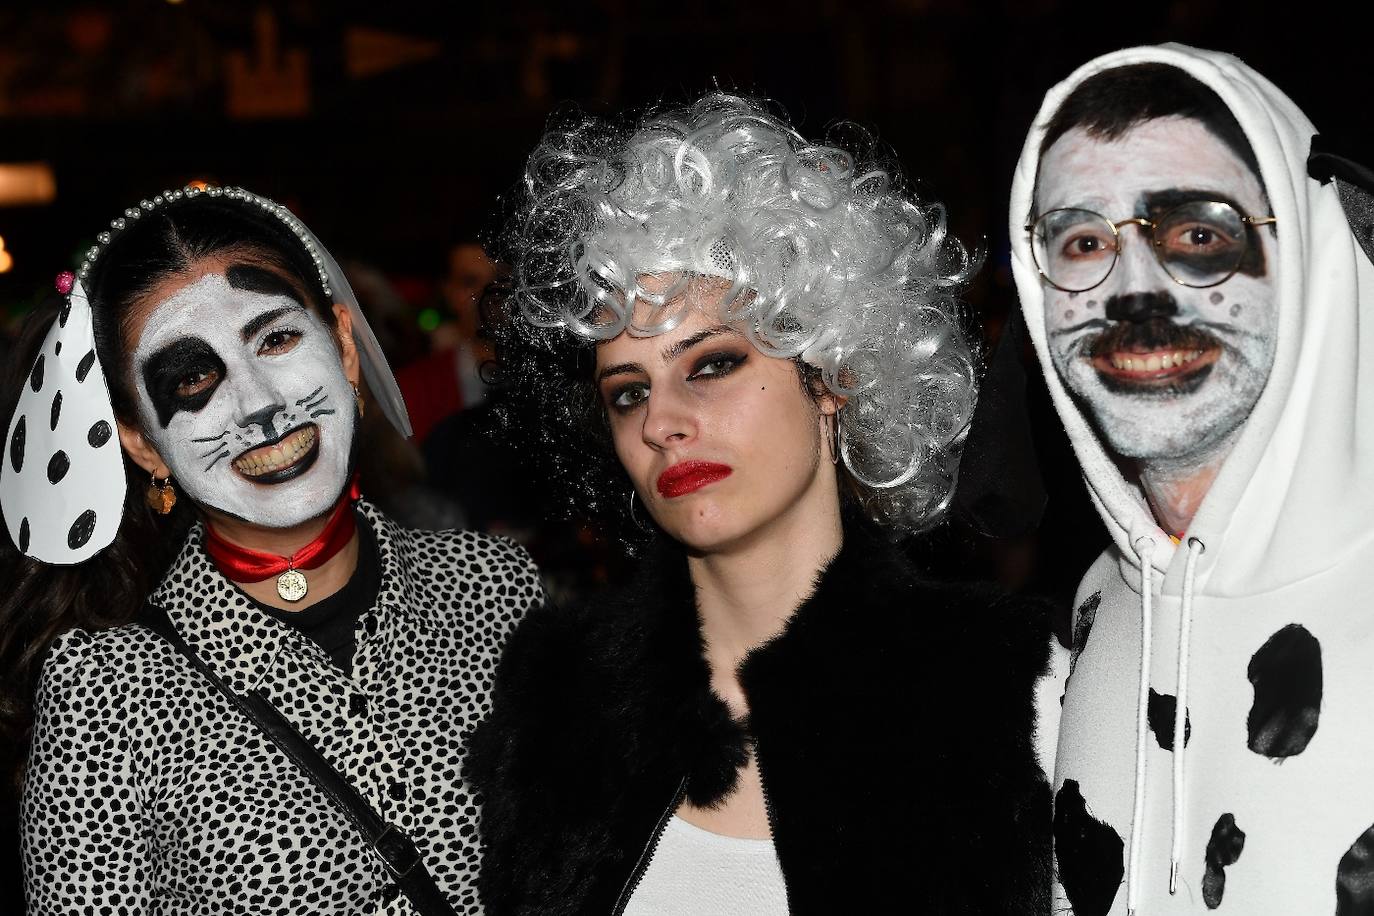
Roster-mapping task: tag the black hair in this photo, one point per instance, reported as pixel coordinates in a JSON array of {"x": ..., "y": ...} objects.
[
  {"x": 41, "y": 601},
  {"x": 1108, "y": 104}
]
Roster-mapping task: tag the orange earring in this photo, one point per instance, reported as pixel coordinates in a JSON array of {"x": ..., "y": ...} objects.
[{"x": 161, "y": 496}]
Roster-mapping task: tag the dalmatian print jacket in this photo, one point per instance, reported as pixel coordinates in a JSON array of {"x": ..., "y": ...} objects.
[{"x": 147, "y": 793}]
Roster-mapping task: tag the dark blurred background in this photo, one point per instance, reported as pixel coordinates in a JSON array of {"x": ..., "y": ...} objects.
[{"x": 394, "y": 129}]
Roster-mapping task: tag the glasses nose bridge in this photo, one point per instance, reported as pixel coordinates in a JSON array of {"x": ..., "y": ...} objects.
[
  {"x": 1147, "y": 227},
  {"x": 1147, "y": 230}
]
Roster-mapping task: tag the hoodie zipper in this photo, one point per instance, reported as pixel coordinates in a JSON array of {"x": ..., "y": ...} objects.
[{"x": 645, "y": 857}]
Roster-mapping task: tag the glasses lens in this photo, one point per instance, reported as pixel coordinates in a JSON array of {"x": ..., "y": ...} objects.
[
  {"x": 1201, "y": 243},
  {"x": 1075, "y": 249}
]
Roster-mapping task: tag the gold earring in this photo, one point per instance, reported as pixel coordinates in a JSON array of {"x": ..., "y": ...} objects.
[
  {"x": 358, "y": 396},
  {"x": 161, "y": 496}
]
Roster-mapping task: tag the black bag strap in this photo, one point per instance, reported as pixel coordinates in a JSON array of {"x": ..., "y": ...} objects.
[{"x": 391, "y": 844}]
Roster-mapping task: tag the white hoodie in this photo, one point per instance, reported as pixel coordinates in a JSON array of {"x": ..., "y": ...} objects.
[{"x": 1268, "y": 596}]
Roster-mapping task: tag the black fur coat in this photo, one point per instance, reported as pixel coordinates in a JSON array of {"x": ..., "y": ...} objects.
[{"x": 893, "y": 722}]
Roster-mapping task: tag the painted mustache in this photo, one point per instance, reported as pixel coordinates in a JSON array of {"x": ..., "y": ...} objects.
[{"x": 1156, "y": 355}]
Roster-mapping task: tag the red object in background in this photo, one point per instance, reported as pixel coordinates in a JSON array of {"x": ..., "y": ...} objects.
[{"x": 430, "y": 387}]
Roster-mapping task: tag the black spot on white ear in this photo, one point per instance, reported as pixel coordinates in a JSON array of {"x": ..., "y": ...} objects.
[
  {"x": 58, "y": 466},
  {"x": 17, "y": 444},
  {"x": 1355, "y": 878},
  {"x": 36, "y": 376},
  {"x": 1223, "y": 849},
  {"x": 99, "y": 434},
  {"x": 57, "y": 349},
  {"x": 1083, "y": 621},
  {"x": 24, "y": 535},
  {"x": 1160, "y": 715},
  {"x": 56, "y": 411},
  {"x": 83, "y": 368},
  {"x": 1287, "y": 676},
  {"x": 65, "y": 313},
  {"x": 81, "y": 530},
  {"x": 1089, "y": 853}
]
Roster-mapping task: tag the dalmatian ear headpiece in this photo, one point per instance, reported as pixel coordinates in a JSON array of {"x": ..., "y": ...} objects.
[{"x": 61, "y": 473}]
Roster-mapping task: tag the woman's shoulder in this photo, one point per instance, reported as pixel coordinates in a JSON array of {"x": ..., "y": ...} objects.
[
  {"x": 458, "y": 562},
  {"x": 103, "y": 668}
]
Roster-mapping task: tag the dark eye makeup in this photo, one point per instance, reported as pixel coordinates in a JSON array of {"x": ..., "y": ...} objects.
[
  {"x": 182, "y": 376},
  {"x": 705, "y": 368},
  {"x": 717, "y": 364}
]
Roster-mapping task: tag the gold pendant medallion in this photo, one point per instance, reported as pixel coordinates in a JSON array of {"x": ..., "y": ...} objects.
[{"x": 291, "y": 585}]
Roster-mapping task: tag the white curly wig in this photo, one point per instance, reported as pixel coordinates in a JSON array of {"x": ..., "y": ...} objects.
[{"x": 829, "y": 257}]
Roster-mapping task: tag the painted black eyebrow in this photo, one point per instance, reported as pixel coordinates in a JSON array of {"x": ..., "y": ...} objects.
[
  {"x": 1154, "y": 204},
  {"x": 254, "y": 279},
  {"x": 258, "y": 322}
]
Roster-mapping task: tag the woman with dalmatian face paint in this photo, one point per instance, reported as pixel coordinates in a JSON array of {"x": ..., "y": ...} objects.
[
  {"x": 178, "y": 477},
  {"x": 1196, "y": 288},
  {"x": 746, "y": 346}
]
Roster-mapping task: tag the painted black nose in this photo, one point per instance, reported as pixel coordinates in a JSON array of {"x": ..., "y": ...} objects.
[
  {"x": 263, "y": 418},
  {"x": 1139, "y": 307}
]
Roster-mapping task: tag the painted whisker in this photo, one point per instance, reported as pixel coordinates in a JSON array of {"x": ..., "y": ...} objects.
[
  {"x": 311, "y": 395},
  {"x": 218, "y": 458},
  {"x": 212, "y": 438},
  {"x": 322, "y": 411}
]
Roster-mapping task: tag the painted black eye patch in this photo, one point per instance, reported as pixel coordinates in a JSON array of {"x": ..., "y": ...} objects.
[{"x": 166, "y": 369}]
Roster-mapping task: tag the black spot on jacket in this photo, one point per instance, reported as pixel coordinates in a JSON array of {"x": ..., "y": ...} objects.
[{"x": 894, "y": 727}]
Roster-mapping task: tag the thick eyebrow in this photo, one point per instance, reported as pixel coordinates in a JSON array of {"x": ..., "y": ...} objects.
[
  {"x": 619, "y": 369},
  {"x": 1156, "y": 203},
  {"x": 671, "y": 353},
  {"x": 258, "y": 322}
]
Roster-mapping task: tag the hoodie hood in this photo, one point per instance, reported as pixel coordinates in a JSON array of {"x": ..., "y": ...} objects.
[
  {"x": 1268, "y": 519},
  {"x": 1198, "y": 667}
]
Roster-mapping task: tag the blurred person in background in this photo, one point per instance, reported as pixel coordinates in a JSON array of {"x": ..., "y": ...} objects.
[
  {"x": 449, "y": 380},
  {"x": 744, "y": 349},
  {"x": 255, "y": 687}
]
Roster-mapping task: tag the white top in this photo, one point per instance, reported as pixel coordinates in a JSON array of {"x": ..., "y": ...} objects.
[{"x": 695, "y": 872}]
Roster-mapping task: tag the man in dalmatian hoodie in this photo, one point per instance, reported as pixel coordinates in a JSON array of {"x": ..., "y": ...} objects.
[{"x": 1191, "y": 270}]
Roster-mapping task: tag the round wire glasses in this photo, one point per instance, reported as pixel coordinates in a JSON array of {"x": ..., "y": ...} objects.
[{"x": 1199, "y": 244}]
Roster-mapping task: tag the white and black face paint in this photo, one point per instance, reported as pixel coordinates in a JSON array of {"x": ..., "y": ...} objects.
[
  {"x": 242, "y": 390},
  {"x": 1166, "y": 371}
]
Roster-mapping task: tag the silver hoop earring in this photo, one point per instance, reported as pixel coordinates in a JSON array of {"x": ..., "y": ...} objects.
[
  {"x": 637, "y": 523},
  {"x": 835, "y": 437}
]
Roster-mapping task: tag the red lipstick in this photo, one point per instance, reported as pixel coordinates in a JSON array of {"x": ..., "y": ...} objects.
[{"x": 689, "y": 476}]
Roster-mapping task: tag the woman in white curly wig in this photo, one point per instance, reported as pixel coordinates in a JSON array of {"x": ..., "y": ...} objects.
[{"x": 748, "y": 345}]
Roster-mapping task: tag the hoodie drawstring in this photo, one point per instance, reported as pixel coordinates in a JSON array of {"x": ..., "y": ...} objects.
[
  {"x": 1195, "y": 549},
  {"x": 1145, "y": 547}
]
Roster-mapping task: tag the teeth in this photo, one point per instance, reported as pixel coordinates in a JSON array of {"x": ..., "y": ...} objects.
[
  {"x": 281, "y": 455},
  {"x": 1155, "y": 361}
]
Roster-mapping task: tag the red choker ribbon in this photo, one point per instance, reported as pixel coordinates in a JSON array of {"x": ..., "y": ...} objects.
[{"x": 243, "y": 564}]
